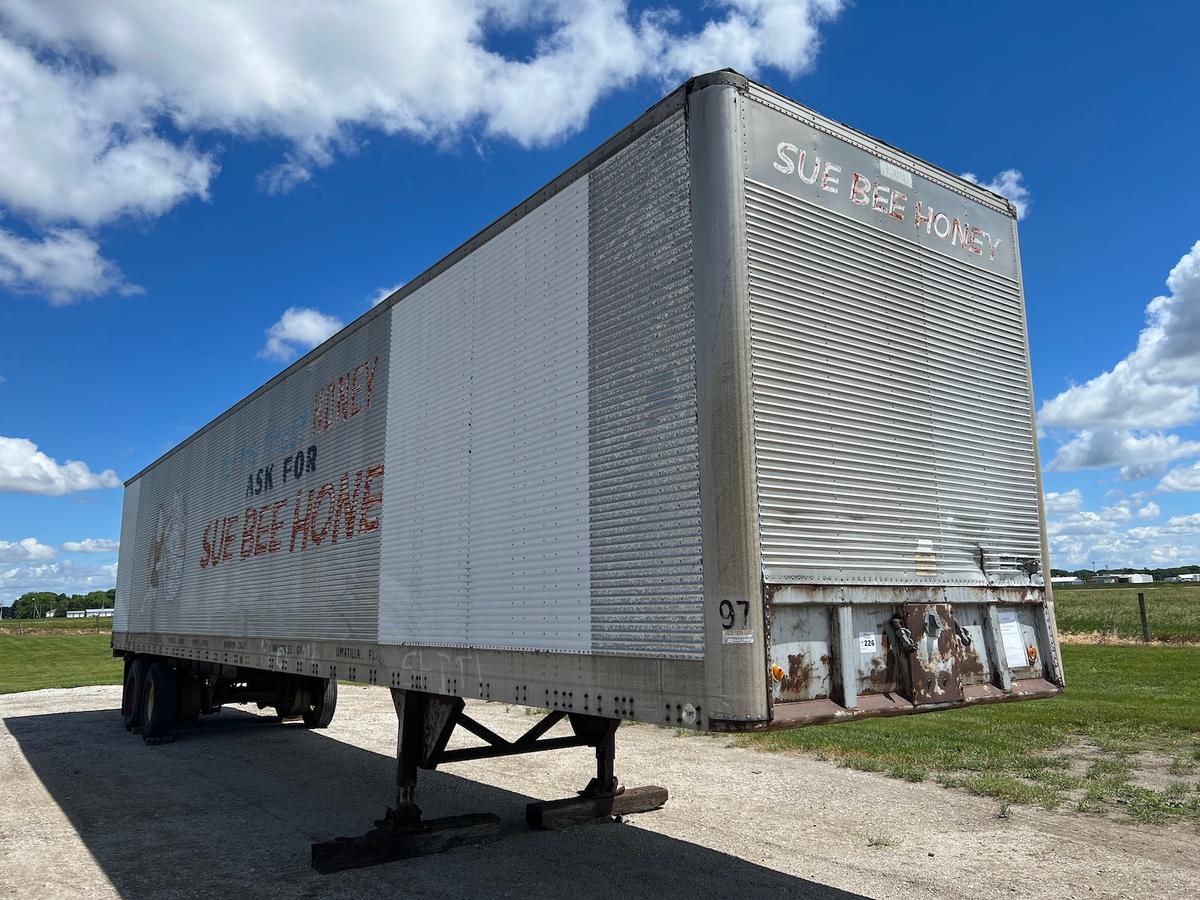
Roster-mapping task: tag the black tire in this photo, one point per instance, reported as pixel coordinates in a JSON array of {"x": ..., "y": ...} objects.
[
  {"x": 158, "y": 704},
  {"x": 322, "y": 704},
  {"x": 293, "y": 697},
  {"x": 131, "y": 694}
]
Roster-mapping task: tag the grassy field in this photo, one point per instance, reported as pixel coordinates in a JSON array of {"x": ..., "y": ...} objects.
[
  {"x": 1173, "y": 611},
  {"x": 29, "y": 662},
  {"x": 53, "y": 626},
  {"x": 1124, "y": 736}
]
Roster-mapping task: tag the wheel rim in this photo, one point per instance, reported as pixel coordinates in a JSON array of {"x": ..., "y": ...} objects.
[{"x": 148, "y": 713}]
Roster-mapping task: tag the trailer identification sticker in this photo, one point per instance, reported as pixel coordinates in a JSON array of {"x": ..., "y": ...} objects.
[
  {"x": 1014, "y": 645},
  {"x": 868, "y": 642},
  {"x": 737, "y": 636}
]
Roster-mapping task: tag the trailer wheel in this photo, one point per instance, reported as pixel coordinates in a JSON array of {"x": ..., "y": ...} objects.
[
  {"x": 158, "y": 704},
  {"x": 131, "y": 693},
  {"x": 322, "y": 704}
]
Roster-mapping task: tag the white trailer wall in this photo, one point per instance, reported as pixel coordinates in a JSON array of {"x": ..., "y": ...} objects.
[
  {"x": 542, "y": 428},
  {"x": 520, "y": 472}
]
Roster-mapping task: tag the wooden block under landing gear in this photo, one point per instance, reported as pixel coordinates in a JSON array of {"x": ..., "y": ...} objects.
[
  {"x": 386, "y": 845},
  {"x": 580, "y": 810}
]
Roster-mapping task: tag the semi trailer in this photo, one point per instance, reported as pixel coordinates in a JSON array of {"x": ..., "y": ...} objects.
[{"x": 727, "y": 428}]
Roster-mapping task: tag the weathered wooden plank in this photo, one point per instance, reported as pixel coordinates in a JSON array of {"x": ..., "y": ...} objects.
[
  {"x": 552, "y": 814},
  {"x": 382, "y": 845}
]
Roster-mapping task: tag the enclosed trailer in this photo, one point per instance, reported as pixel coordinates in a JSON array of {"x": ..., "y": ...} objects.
[{"x": 729, "y": 427}]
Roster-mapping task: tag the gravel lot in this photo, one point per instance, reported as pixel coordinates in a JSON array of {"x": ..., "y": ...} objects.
[{"x": 231, "y": 808}]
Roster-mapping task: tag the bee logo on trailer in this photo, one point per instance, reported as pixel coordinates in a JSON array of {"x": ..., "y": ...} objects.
[{"x": 168, "y": 549}]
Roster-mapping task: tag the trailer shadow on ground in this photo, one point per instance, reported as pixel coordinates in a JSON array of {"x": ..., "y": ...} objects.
[{"x": 231, "y": 808}]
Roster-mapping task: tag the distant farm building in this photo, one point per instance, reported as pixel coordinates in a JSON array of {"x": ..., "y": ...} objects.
[
  {"x": 1125, "y": 578},
  {"x": 1057, "y": 580},
  {"x": 1122, "y": 578},
  {"x": 89, "y": 613}
]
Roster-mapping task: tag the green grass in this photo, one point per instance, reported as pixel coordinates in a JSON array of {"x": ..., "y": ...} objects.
[
  {"x": 1119, "y": 700},
  {"x": 1173, "y": 611},
  {"x": 29, "y": 662},
  {"x": 42, "y": 626}
]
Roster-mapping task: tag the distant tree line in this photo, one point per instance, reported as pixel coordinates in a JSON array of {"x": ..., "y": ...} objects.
[
  {"x": 1159, "y": 574},
  {"x": 35, "y": 604}
]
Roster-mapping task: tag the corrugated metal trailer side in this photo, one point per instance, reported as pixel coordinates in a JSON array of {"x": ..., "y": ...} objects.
[
  {"x": 744, "y": 393},
  {"x": 729, "y": 427},
  {"x": 492, "y": 485}
]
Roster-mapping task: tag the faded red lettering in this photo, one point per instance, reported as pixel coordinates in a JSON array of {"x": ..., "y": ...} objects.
[
  {"x": 228, "y": 530},
  {"x": 918, "y": 219},
  {"x": 369, "y": 500},
  {"x": 346, "y": 509},
  {"x": 249, "y": 519},
  {"x": 859, "y": 186},
  {"x": 826, "y": 180},
  {"x": 260, "y": 530},
  {"x": 300, "y": 523},
  {"x": 807, "y": 179},
  {"x": 275, "y": 524},
  {"x": 207, "y": 545},
  {"x": 877, "y": 198},
  {"x": 960, "y": 233},
  {"x": 370, "y": 378},
  {"x": 326, "y": 493}
]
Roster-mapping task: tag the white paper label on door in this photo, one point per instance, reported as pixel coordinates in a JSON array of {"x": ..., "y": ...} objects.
[{"x": 1014, "y": 643}]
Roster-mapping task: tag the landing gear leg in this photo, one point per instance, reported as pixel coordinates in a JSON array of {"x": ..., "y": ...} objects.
[
  {"x": 425, "y": 722},
  {"x": 402, "y": 833},
  {"x": 605, "y": 798}
]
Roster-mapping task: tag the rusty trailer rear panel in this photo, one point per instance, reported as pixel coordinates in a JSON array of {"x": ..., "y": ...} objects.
[{"x": 901, "y": 535}]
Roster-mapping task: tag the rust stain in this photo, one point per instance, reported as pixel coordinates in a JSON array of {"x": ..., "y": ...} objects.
[
  {"x": 799, "y": 675},
  {"x": 881, "y": 678},
  {"x": 934, "y": 673}
]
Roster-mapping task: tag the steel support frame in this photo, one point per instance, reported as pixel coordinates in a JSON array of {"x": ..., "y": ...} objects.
[{"x": 424, "y": 724}]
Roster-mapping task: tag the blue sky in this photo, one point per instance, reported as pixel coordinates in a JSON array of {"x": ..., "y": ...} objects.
[{"x": 167, "y": 195}]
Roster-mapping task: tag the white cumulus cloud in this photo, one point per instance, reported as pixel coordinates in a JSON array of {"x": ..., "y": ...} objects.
[
  {"x": 383, "y": 293},
  {"x": 1149, "y": 511},
  {"x": 92, "y": 545},
  {"x": 1009, "y": 184},
  {"x": 1189, "y": 524},
  {"x": 1139, "y": 455},
  {"x": 1181, "y": 480},
  {"x": 1058, "y": 503},
  {"x": 106, "y": 108},
  {"x": 25, "y": 549},
  {"x": 26, "y": 469},
  {"x": 64, "y": 265},
  {"x": 1111, "y": 536},
  {"x": 79, "y": 141},
  {"x": 1155, "y": 386},
  {"x": 299, "y": 328}
]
